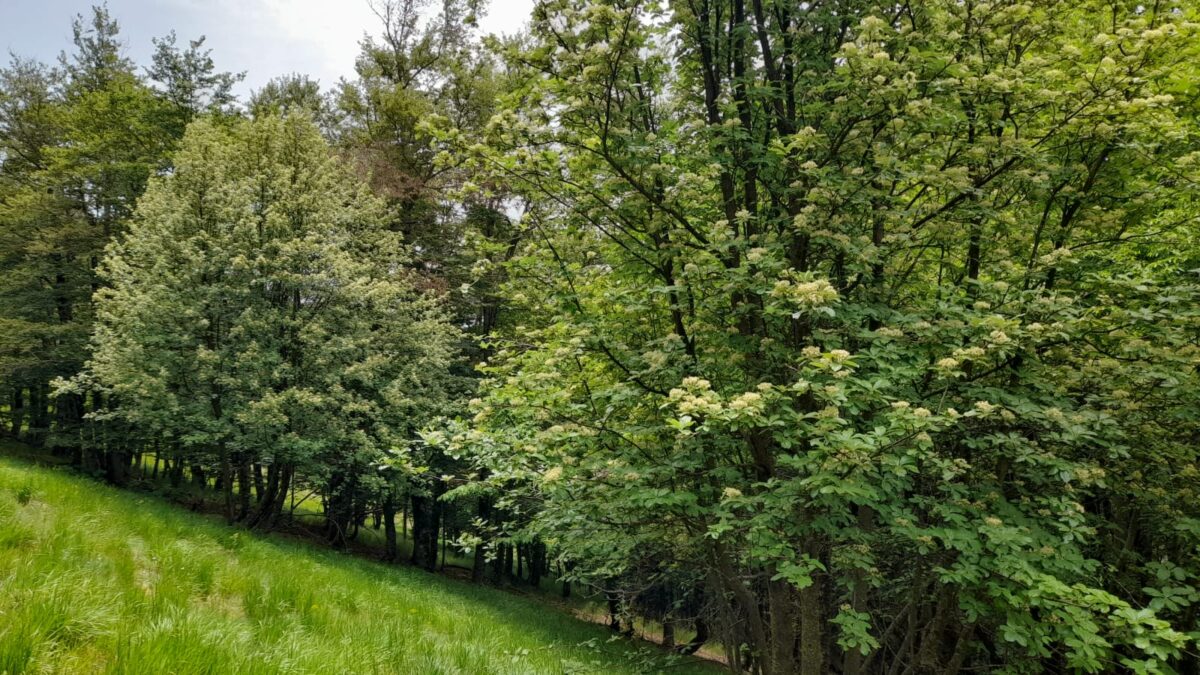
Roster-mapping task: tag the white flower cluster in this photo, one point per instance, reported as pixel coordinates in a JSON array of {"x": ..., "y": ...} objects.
[
  {"x": 749, "y": 401},
  {"x": 805, "y": 294},
  {"x": 696, "y": 397}
]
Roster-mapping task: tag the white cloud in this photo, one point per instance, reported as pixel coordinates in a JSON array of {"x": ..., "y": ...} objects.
[{"x": 264, "y": 38}]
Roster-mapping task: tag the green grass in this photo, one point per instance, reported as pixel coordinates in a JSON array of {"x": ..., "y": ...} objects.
[{"x": 97, "y": 580}]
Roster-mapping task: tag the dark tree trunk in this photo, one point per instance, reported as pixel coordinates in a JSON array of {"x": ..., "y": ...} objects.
[
  {"x": 566, "y": 585},
  {"x": 498, "y": 565},
  {"x": 116, "y": 469},
  {"x": 614, "y": 611},
  {"x": 391, "y": 552},
  {"x": 339, "y": 511},
  {"x": 226, "y": 481},
  {"x": 273, "y": 497},
  {"x": 176, "y": 471},
  {"x": 698, "y": 640},
  {"x": 39, "y": 416},
  {"x": 198, "y": 477},
  {"x": 244, "y": 488},
  {"x": 256, "y": 472},
  {"x": 425, "y": 512},
  {"x": 285, "y": 486},
  {"x": 266, "y": 497},
  {"x": 479, "y": 565},
  {"x": 537, "y": 563},
  {"x": 17, "y": 412}
]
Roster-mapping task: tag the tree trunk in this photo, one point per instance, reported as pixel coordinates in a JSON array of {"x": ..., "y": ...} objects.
[
  {"x": 116, "y": 468},
  {"x": 17, "y": 412},
  {"x": 498, "y": 565},
  {"x": 391, "y": 552},
  {"x": 226, "y": 480},
  {"x": 668, "y": 635},
  {"x": 256, "y": 472},
  {"x": 39, "y": 415},
  {"x": 339, "y": 511},
  {"x": 701, "y": 637},
  {"x": 509, "y": 550},
  {"x": 812, "y": 639},
  {"x": 614, "y": 611},
  {"x": 266, "y": 496},
  {"x": 479, "y": 565},
  {"x": 425, "y": 531},
  {"x": 244, "y": 488},
  {"x": 198, "y": 477}
]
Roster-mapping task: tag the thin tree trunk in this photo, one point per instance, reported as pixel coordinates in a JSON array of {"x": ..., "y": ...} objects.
[
  {"x": 479, "y": 565},
  {"x": 390, "y": 549},
  {"x": 17, "y": 412},
  {"x": 244, "y": 488},
  {"x": 256, "y": 472}
]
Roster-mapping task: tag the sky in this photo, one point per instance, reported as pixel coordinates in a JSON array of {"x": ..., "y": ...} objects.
[{"x": 264, "y": 38}]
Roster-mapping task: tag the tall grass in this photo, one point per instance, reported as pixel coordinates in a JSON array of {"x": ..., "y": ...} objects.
[{"x": 93, "y": 579}]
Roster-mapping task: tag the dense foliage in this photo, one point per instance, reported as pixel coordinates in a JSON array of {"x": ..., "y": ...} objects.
[
  {"x": 853, "y": 336},
  {"x": 865, "y": 333}
]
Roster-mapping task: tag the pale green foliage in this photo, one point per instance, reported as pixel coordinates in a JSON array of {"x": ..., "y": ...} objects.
[{"x": 258, "y": 306}]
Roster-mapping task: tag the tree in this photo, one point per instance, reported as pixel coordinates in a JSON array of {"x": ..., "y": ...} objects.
[
  {"x": 80, "y": 143},
  {"x": 189, "y": 81},
  {"x": 420, "y": 76},
  {"x": 259, "y": 312},
  {"x": 98, "y": 137},
  {"x": 859, "y": 314}
]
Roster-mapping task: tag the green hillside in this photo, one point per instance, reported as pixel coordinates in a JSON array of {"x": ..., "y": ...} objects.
[{"x": 94, "y": 579}]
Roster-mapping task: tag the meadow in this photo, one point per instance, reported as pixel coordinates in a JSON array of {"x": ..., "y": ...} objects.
[{"x": 96, "y": 579}]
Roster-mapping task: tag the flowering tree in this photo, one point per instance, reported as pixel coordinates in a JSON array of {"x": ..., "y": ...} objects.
[{"x": 865, "y": 333}]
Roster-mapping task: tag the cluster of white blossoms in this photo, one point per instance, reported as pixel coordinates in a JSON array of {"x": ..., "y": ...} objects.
[
  {"x": 696, "y": 397},
  {"x": 805, "y": 294},
  {"x": 970, "y": 353},
  {"x": 750, "y": 401},
  {"x": 947, "y": 364}
]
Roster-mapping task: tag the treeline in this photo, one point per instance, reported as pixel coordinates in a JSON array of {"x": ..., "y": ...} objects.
[
  {"x": 259, "y": 299},
  {"x": 856, "y": 337}
]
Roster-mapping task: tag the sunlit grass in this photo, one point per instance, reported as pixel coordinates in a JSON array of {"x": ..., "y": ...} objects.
[{"x": 93, "y": 579}]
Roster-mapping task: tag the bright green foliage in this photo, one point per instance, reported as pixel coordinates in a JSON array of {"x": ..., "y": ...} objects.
[
  {"x": 870, "y": 331},
  {"x": 259, "y": 312},
  {"x": 98, "y": 580}
]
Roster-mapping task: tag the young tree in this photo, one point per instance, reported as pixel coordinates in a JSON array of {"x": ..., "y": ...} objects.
[{"x": 259, "y": 312}]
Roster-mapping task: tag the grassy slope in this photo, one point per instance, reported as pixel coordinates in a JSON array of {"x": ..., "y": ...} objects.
[{"x": 93, "y": 579}]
